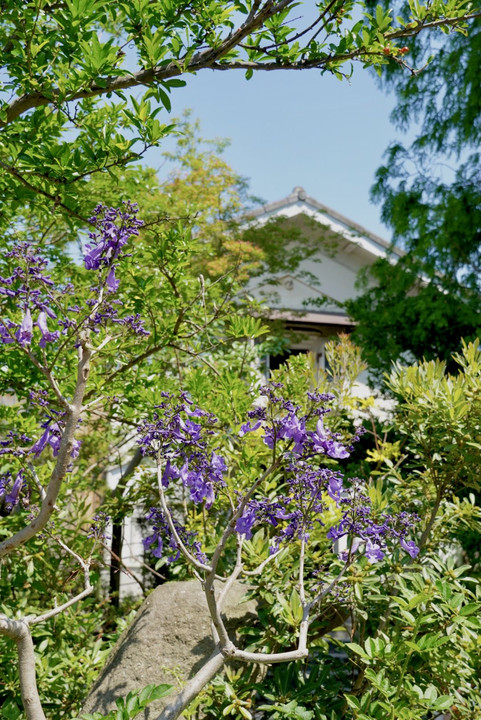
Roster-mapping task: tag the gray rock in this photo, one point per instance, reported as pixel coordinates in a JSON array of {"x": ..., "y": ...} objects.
[{"x": 168, "y": 642}]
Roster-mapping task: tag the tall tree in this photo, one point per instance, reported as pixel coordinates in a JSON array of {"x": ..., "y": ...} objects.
[{"x": 431, "y": 198}]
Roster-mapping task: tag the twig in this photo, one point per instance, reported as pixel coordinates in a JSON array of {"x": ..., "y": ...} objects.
[
  {"x": 88, "y": 587},
  {"x": 188, "y": 556}
]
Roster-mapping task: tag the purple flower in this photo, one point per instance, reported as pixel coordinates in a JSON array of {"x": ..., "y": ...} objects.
[
  {"x": 98, "y": 526},
  {"x": 200, "y": 487},
  {"x": 114, "y": 229},
  {"x": 245, "y": 522},
  {"x": 246, "y": 428},
  {"x": 47, "y": 336},
  {"x": 5, "y": 326},
  {"x": 162, "y": 535},
  {"x": 25, "y": 331},
  {"x": 291, "y": 428},
  {"x": 336, "y": 532},
  {"x": 10, "y": 496},
  {"x": 373, "y": 551},
  {"x": 112, "y": 282},
  {"x": 335, "y": 487},
  {"x": 324, "y": 441},
  {"x": 217, "y": 467},
  {"x": 92, "y": 259},
  {"x": 410, "y": 547},
  {"x": 169, "y": 473},
  {"x": 41, "y": 443},
  {"x": 53, "y": 431},
  {"x": 151, "y": 540}
]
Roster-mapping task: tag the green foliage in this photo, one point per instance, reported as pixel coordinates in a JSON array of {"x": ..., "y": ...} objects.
[
  {"x": 430, "y": 196},
  {"x": 440, "y": 414},
  {"x": 132, "y": 705},
  {"x": 403, "y": 316},
  {"x": 61, "y": 61}
]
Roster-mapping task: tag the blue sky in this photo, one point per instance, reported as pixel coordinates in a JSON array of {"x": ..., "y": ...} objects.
[{"x": 297, "y": 128}]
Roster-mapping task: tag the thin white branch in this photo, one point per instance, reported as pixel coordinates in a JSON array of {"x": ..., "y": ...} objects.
[
  {"x": 302, "y": 557},
  {"x": 163, "y": 500},
  {"x": 260, "y": 568},
  {"x": 264, "y": 658},
  {"x": 93, "y": 402},
  {"x": 193, "y": 687},
  {"x": 232, "y": 577},
  {"x": 60, "y": 608}
]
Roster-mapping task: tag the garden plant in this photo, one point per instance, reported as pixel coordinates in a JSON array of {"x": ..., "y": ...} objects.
[
  {"x": 127, "y": 337},
  {"x": 279, "y": 469}
]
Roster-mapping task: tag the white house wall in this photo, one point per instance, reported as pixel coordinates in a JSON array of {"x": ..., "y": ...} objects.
[{"x": 345, "y": 248}]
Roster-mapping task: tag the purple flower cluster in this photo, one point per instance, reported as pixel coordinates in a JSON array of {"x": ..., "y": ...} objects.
[
  {"x": 99, "y": 525},
  {"x": 162, "y": 538},
  {"x": 287, "y": 431},
  {"x": 14, "y": 444},
  {"x": 53, "y": 428},
  {"x": 298, "y": 508},
  {"x": 107, "y": 314},
  {"x": 285, "y": 423},
  {"x": 362, "y": 529},
  {"x": 31, "y": 289},
  {"x": 176, "y": 436},
  {"x": 10, "y": 490},
  {"x": 114, "y": 228},
  {"x": 179, "y": 437}
]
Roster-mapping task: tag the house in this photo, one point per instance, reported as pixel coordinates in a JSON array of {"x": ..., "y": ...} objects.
[{"x": 308, "y": 299}]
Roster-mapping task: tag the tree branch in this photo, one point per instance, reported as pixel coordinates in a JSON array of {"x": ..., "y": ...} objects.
[
  {"x": 63, "y": 459},
  {"x": 190, "y": 691},
  {"x": 19, "y": 631},
  {"x": 209, "y": 58}
]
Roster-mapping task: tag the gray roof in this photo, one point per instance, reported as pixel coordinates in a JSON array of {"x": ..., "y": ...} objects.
[{"x": 299, "y": 195}]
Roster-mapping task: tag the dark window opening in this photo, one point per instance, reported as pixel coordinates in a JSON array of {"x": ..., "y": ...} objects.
[{"x": 275, "y": 361}]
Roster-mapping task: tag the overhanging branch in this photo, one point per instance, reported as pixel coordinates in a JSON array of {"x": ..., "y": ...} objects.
[{"x": 211, "y": 58}]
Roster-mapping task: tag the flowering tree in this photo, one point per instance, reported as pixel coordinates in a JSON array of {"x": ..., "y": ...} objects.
[
  {"x": 292, "y": 442},
  {"x": 66, "y": 116}
]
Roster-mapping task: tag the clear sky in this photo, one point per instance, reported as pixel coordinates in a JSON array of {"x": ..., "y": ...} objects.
[{"x": 296, "y": 128}]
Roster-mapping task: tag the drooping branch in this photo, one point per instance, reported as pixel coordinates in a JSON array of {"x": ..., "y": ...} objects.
[{"x": 196, "y": 564}]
